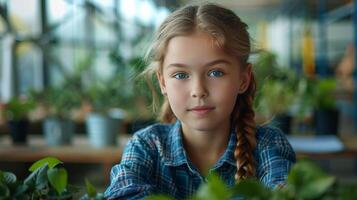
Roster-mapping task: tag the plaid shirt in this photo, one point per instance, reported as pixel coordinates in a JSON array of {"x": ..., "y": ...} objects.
[{"x": 154, "y": 162}]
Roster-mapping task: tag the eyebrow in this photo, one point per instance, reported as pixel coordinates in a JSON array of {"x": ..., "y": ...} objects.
[{"x": 214, "y": 62}]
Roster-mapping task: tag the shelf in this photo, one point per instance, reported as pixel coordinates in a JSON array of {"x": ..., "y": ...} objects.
[{"x": 339, "y": 13}]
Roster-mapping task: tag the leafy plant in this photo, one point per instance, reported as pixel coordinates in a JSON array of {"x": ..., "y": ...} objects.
[
  {"x": 104, "y": 96},
  {"x": 58, "y": 100},
  {"x": 17, "y": 109},
  {"x": 324, "y": 92},
  {"x": 48, "y": 180},
  {"x": 274, "y": 83},
  {"x": 92, "y": 193},
  {"x": 274, "y": 91},
  {"x": 305, "y": 181}
]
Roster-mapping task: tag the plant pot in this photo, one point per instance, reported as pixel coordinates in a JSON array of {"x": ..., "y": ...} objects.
[
  {"x": 58, "y": 131},
  {"x": 326, "y": 122},
  {"x": 283, "y": 122},
  {"x": 102, "y": 130},
  {"x": 18, "y": 130}
]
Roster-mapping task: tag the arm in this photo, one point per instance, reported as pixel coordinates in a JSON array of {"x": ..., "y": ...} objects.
[
  {"x": 276, "y": 157},
  {"x": 131, "y": 179}
]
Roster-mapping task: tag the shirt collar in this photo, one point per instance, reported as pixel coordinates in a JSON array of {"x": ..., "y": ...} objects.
[{"x": 176, "y": 154}]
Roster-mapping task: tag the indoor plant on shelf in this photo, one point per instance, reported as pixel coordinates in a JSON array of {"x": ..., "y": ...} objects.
[
  {"x": 276, "y": 87},
  {"x": 16, "y": 113},
  {"x": 326, "y": 114},
  {"x": 275, "y": 102},
  {"x": 103, "y": 122},
  {"x": 59, "y": 102}
]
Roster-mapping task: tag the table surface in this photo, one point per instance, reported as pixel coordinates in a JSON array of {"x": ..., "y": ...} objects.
[{"x": 80, "y": 151}]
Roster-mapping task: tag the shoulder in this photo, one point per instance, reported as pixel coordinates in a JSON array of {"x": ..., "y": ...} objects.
[
  {"x": 150, "y": 139},
  {"x": 153, "y": 133},
  {"x": 274, "y": 140},
  {"x": 266, "y": 135}
]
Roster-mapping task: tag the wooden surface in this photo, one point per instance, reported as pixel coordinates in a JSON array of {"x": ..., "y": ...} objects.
[{"x": 80, "y": 151}]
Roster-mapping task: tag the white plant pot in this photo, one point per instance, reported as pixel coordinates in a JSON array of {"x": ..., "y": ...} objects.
[{"x": 102, "y": 130}]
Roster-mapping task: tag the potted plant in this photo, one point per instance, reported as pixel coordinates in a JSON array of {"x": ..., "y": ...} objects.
[
  {"x": 326, "y": 114},
  {"x": 16, "y": 112},
  {"x": 59, "y": 102},
  {"x": 276, "y": 88},
  {"x": 103, "y": 122},
  {"x": 275, "y": 102}
]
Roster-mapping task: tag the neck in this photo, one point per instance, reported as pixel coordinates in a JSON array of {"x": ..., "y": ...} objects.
[{"x": 214, "y": 142}]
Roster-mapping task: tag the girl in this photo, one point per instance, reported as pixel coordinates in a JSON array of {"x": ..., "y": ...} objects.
[{"x": 200, "y": 58}]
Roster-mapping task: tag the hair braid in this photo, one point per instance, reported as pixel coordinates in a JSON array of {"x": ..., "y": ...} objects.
[{"x": 245, "y": 128}]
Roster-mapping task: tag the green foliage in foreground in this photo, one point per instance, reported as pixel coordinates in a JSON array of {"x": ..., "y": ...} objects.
[
  {"x": 49, "y": 180},
  {"x": 305, "y": 181}
]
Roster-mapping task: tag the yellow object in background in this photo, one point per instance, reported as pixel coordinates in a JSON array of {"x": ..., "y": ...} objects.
[
  {"x": 308, "y": 53},
  {"x": 263, "y": 34}
]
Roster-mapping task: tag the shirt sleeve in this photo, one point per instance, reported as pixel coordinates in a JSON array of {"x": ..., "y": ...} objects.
[
  {"x": 131, "y": 179},
  {"x": 276, "y": 158}
]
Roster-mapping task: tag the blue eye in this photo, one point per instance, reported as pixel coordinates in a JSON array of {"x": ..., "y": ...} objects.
[
  {"x": 181, "y": 75},
  {"x": 215, "y": 73}
]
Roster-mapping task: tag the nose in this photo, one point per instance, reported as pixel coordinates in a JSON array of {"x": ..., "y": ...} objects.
[{"x": 199, "y": 89}]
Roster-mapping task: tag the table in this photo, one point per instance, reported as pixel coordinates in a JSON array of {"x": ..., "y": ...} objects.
[
  {"x": 349, "y": 150},
  {"x": 80, "y": 151}
]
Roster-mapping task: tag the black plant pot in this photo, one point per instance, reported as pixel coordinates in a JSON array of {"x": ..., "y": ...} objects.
[
  {"x": 18, "y": 130},
  {"x": 326, "y": 122},
  {"x": 283, "y": 122}
]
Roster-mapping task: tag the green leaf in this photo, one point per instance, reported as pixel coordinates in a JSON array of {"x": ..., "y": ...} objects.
[
  {"x": 307, "y": 180},
  {"x": 20, "y": 190},
  {"x": 37, "y": 180},
  {"x": 251, "y": 189},
  {"x": 73, "y": 189},
  {"x": 214, "y": 189},
  {"x": 41, "y": 181},
  {"x": 58, "y": 179},
  {"x": 317, "y": 187},
  {"x": 1, "y": 176},
  {"x": 90, "y": 189},
  {"x": 159, "y": 197},
  {"x": 100, "y": 196},
  {"x": 50, "y": 161},
  {"x": 4, "y": 191},
  {"x": 304, "y": 172},
  {"x": 9, "y": 178}
]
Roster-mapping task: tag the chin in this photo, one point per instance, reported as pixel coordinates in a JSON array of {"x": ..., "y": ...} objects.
[{"x": 202, "y": 126}]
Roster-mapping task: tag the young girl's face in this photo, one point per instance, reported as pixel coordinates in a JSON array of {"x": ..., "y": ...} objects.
[{"x": 201, "y": 82}]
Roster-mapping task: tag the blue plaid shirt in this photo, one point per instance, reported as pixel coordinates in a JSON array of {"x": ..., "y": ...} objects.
[{"x": 154, "y": 162}]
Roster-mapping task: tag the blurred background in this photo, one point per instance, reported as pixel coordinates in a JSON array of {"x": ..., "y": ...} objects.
[{"x": 68, "y": 85}]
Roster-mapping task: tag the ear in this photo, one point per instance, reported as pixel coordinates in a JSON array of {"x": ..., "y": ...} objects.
[
  {"x": 245, "y": 78},
  {"x": 161, "y": 80}
]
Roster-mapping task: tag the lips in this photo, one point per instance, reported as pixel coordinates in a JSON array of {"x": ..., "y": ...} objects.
[{"x": 201, "y": 110}]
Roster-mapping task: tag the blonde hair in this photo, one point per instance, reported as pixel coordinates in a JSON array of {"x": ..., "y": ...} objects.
[{"x": 230, "y": 34}]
